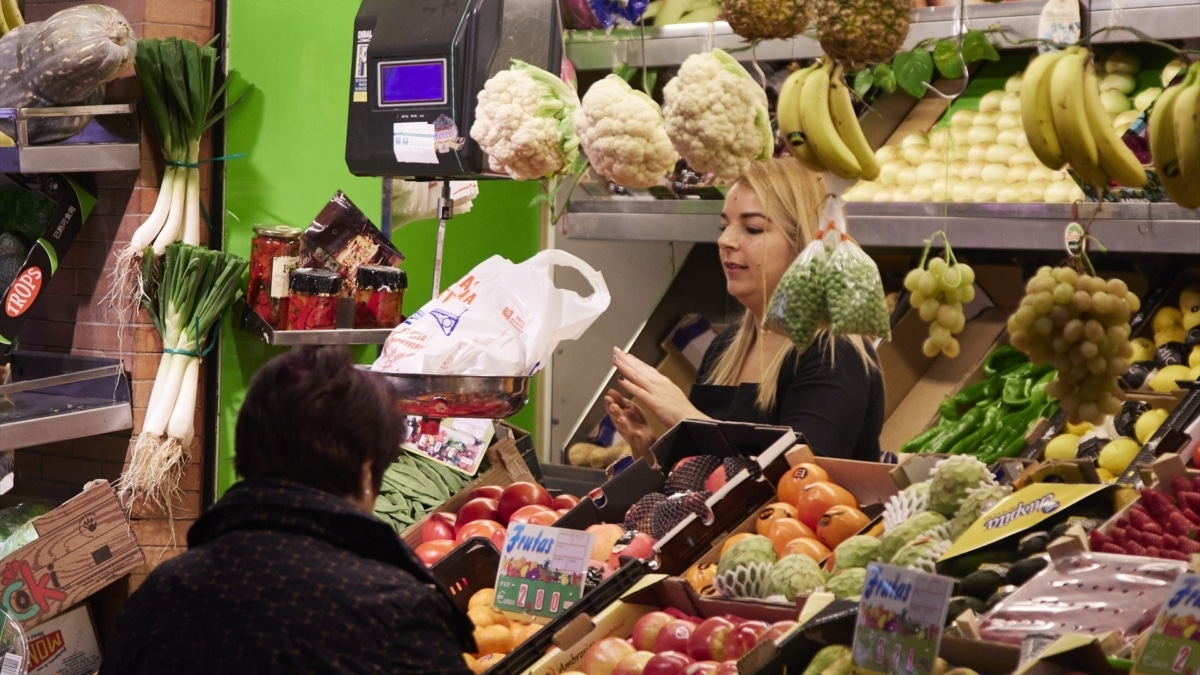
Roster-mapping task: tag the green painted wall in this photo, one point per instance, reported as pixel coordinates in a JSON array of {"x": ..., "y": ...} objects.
[{"x": 292, "y": 129}]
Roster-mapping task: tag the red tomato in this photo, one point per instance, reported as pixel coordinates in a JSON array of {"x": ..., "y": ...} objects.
[
  {"x": 432, "y": 551},
  {"x": 565, "y": 501},
  {"x": 489, "y": 491},
  {"x": 525, "y": 513},
  {"x": 521, "y": 493},
  {"x": 480, "y": 508},
  {"x": 438, "y": 526},
  {"x": 488, "y": 529}
]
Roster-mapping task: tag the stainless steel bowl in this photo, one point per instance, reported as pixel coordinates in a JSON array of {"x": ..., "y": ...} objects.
[{"x": 441, "y": 396}]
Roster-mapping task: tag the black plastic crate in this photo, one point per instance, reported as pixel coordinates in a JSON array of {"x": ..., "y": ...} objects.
[{"x": 467, "y": 568}]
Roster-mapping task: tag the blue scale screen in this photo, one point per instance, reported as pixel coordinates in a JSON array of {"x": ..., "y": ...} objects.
[{"x": 412, "y": 82}]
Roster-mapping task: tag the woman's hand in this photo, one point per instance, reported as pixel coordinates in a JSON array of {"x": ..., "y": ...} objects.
[
  {"x": 654, "y": 391},
  {"x": 630, "y": 422}
]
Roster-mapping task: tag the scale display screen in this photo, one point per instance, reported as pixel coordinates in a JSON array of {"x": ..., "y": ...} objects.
[{"x": 404, "y": 83}]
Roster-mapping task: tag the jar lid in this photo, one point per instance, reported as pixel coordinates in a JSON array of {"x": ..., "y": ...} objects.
[
  {"x": 278, "y": 231},
  {"x": 381, "y": 276},
  {"x": 312, "y": 280}
]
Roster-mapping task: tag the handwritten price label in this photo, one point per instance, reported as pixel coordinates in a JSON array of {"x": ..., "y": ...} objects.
[
  {"x": 900, "y": 619},
  {"x": 1174, "y": 644}
]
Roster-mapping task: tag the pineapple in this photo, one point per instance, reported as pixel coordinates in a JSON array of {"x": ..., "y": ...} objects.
[
  {"x": 857, "y": 32},
  {"x": 767, "y": 19}
]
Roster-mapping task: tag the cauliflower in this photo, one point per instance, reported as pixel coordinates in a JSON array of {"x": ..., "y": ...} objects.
[
  {"x": 717, "y": 115},
  {"x": 523, "y": 121},
  {"x": 623, "y": 134}
]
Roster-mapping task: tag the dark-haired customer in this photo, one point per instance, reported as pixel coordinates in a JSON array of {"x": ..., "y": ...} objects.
[{"x": 290, "y": 572}]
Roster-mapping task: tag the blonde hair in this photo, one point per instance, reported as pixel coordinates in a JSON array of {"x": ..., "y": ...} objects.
[{"x": 792, "y": 198}]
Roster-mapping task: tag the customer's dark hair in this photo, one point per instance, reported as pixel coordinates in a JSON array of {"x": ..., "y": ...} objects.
[{"x": 311, "y": 417}]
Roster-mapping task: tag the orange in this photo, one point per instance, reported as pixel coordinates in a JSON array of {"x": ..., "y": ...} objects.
[
  {"x": 791, "y": 483},
  {"x": 806, "y": 546},
  {"x": 483, "y": 663},
  {"x": 840, "y": 523},
  {"x": 700, "y": 577},
  {"x": 481, "y": 597},
  {"x": 783, "y": 530},
  {"x": 818, "y": 497},
  {"x": 770, "y": 513},
  {"x": 733, "y": 539},
  {"x": 522, "y": 631},
  {"x": 494, "y": 639}
]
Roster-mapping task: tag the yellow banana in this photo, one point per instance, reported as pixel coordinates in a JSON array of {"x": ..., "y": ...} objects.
[
  {"x": 1116, "y": 159},
  {"x": 1163, "y": 149},
  {"x": 1036, "y": 116},
  {"x": 1186, "y": 119},
  {"x": 1070, "y": 119},
  {"x": 12, "y": 14},
  {"x": 819, "y": 129},
  {"x": 845, "y": 120},
  {"x": 787, "y": 113}
]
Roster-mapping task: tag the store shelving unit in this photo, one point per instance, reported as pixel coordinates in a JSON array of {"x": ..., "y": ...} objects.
[
  {"x": 108, "y": 143},
  {"x": 252, "y": 323}
]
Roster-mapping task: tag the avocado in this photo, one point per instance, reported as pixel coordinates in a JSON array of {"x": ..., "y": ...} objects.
[
  {"x": 1059, "y": 530},
  {"x": 1034, "y": 542},
  {"x": 1000, "y": 594},
  {"x": 981, "y": 584},
  {"x": 960, "y": 604},
  {"x": 1024, "y": 570}
]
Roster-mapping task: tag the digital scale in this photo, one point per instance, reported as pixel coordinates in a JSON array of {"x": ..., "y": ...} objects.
[{"x": 417, "y": 67}]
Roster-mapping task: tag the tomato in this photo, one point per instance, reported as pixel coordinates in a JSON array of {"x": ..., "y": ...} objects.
[
  {"x": 783, "y": 530},
  {"x": 488, "y": 529},
  {"x": 523, "y": 514},
  {"x": 438, "y": 526},
  {"x": 522, "y": 493},
  {"x": 432, "y": 551},
  {"x": 840, "y": 523},
  {"x": 480, "y": 508},
  {"x": 817, "y": 498},
  {"x": 733, "y": 539},
  {"x": 565, "y": 501},
  {"x": 772, "y": 512},
  {"x": 791, "y": 483},
  {"x": 489, "y": 491},
  {"x": 806, "y": 546}
]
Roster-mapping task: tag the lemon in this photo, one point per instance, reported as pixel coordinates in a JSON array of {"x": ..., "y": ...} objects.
[
  {"x": 1164, "y": 378},
  {"x": 1143, "y": 350},
  {"x": 1194, "y": 373},
  {"x": 1194, "y": 357},
  {"x": 1170, "y": 334},
  {"x": 1147, "y": 423},
  {"x": 1105, "y": 476},
  {"x": 1167, "y": 317},
  {"x": 1078, "y": 428},
  {"x": 1116, "y": 455},
  {"x": 1062, "y": 446},
  {"x": 1191, "y": 319},
  {"x": 1189, "y": 298}
]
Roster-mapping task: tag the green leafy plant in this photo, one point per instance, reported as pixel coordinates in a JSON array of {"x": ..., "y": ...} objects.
[{"x": 911, "y": 70}]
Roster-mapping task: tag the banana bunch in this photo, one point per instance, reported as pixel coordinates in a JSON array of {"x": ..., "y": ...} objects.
[
  {"x": 1065, "y": 121},
  {"x": 10, "y": 16},
  {"x": 413, "y": 486},
  {"x": 1175, "y": 139},
  {"x": 818, "y": 123}
]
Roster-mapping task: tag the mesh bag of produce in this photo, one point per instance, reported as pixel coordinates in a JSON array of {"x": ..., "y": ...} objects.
[
  {"x": 797, "y": 307},
  {"x": 853, "y": 288}
]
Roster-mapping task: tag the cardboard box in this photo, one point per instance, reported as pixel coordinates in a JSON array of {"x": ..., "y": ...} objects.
[
  {"x": 64, "y": 645},
  {"x": 82, "y": 546},
  {"x": 1073, "y": 653}
]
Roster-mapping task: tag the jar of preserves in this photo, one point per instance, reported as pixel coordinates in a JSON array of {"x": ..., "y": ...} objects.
[
  {"x": 313, "y": 299},
  {"x": 379, "y": 299},
  {"x": 274, "y": 253}
]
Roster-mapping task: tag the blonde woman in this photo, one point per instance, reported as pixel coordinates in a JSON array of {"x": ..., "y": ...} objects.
[{"x": 832, "y": 392}]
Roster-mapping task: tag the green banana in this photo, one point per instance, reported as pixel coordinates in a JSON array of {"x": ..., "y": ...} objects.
[
  {"x": 1186, "y": 120},
  {"x": 1115, "y": 158},
  {"x": 845, "y": 120},
  {"x": 1070, "y": 119},
  {"x": 787, "y": 113},
  {"x": 819, "y": 128},
  {"x": 1037, "y": 118},
  {"x": 1163, "y": 148}
]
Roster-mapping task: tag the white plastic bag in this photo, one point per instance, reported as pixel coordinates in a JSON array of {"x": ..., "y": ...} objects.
[{"x": 501, "y": 319}]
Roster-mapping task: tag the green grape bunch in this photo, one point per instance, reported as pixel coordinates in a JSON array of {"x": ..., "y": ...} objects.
[
  {"x": 1079, "y": 323},
  {"x": 938, "y": 289}
]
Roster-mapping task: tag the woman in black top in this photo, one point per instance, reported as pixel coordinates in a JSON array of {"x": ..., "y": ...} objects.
[{"x": 832, "y": 392}]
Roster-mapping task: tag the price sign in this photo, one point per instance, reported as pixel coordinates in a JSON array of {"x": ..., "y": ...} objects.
[
  {"x": 542, "y": 569},
  {"x": 1174, "y": 643},
  {"x": 900, "y": 619}
]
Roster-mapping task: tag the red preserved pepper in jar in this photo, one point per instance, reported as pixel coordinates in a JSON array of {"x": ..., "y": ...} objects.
[
  {"x": 313, "y": 301},
  {"x": 379, "y": 300},
  {"x": 274, "y": 250}
]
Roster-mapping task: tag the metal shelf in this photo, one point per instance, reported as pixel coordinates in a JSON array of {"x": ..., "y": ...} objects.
[
  {"x": 1129, "y": 228},
  {"x": 252, "y": 323},
  {"x": 58, "y": 397},
  {"x": 108, "y": 143},
  {"x": 670, "y": 45}
]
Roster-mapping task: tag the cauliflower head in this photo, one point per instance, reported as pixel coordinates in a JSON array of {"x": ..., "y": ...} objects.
[
  {"x": 523, "y": 121},
  {"x": 717, "y": 116},
  {"x": 623, "y": 134}
]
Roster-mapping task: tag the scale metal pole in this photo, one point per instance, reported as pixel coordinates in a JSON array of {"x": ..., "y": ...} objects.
[{"x": 445, "y": 212}]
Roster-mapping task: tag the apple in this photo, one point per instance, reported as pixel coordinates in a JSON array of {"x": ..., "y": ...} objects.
[
  {"x": 701, "y": 668},
  {"x": 479, "y": 508},
  {"x": 674, "y": 636},
  {"x": 634, "y": 664},
  {"x": 777, "y": 630},
  {"x": 645, "y": 629},
  {"x": 634, "y": 545},
  {"x": 606, "y": 535},
  {"x": 488, "y": 491},
  {"x": 667, "y": 663},
  {"x": 716, "y": 479},
  {"x": 564, "y": 501},
  {"x": 522, "y": 493},
  {"x": 744, "y": 637},
  {"x": 708, "y": 640},
  {"x": 726, "y": 668},
  {"x": 604, "y": 655},
  {"x": 438, "y": 526}
]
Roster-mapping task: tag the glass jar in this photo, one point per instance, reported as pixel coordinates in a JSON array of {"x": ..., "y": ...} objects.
[
  {"x": 313, "y": 299},
  {"x": 274, "y": 253},
  {"x": 379, "y": 300}
]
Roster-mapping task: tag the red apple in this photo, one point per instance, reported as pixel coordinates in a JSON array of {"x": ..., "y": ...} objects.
[
  {"x": 438, "y": 526},
  {"x": 604, "y": 655},
  {"x": 726, "y": 668},
  {"x": 564, "y": 501},
  {"x": 479, "y": 508},
  {"x": 639, "y": 545},
  {"x": 645, "y": 629},
  {"x": 674, "y": 636},
  {"x": 606, "y": 535},
  {"x": 708, "y": 641},
  {"x": 667, "y": 663},
  {"x": 701, "y": 668},
  {"x": 715, "y": 480},
  {"x": 523, "y": 514},
  {"x": 743, "y": 638},
  {"x": 777, "y": 630},
  {"x": 634, "y": 664},
  {"x": 522, "y": 493},
  {"x": 488, "y": 491}
]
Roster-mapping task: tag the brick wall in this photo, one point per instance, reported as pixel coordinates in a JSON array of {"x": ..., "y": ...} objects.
[{"x": 69, "y": 316}]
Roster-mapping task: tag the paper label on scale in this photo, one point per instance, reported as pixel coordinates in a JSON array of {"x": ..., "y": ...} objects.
[{"x": 413, "y": 143}]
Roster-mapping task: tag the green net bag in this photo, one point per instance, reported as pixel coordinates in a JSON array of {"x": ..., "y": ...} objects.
[
  {"x": 853, "y": 288},
  {"x": 797, "y": 307}
]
